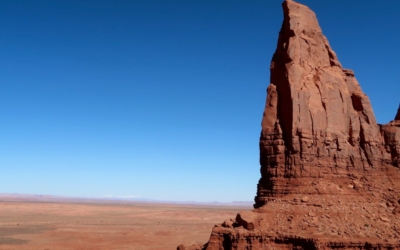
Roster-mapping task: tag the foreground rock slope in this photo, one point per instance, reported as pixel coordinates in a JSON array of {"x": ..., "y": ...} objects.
[{"x": 329, "y": 172}]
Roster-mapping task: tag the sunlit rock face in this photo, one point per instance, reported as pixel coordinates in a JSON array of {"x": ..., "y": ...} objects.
[
  {"x": 329, "y": 172},
  {"x": 317, "y": 122},
  {"x": 391, "y": 132}
]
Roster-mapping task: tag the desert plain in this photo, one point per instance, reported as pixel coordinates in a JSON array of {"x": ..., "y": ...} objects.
[{"x": 29, "y": 224}]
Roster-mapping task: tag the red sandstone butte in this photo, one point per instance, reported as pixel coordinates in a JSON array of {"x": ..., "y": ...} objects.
[{"x": 329, "y": 173}]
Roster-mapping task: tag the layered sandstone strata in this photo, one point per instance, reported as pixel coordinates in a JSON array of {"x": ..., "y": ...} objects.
[
  {"x": 329, "y": 173},
  {"x": 317, "y": 121}
]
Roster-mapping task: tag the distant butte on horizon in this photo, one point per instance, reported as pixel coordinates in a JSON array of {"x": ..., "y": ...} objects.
[{"x": 329, "y": 172}]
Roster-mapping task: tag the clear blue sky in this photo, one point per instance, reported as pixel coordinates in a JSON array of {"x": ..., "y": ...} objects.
[{"x": 160, "y": 99}]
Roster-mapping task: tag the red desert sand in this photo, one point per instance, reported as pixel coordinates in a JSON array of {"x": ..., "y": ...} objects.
[{"x": 39, "y": 225}]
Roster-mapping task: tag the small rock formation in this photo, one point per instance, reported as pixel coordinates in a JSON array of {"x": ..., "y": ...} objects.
[
  {"x": 329, "y": 173},
  {"x": 391, "y": 132}
]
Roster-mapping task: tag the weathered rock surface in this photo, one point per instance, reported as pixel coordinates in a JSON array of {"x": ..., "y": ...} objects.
[
  {"x": 317, "y": 121},
  {"x": 391, "y": 134},
  {"x": 192, "y": 247},
  {"x": 329, "y": 173}
]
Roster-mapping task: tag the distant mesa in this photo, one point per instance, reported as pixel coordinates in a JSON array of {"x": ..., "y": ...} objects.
[{"x": 329, "y": 172}]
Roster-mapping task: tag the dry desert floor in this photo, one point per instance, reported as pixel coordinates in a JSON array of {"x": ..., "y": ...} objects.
[{"x": 38, "y": 225}]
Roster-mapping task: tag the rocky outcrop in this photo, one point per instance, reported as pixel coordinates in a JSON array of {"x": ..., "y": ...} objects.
[
  {"x": 329, "y": 173},
  {"x": 391, "y": 133},
  {"x": 317, "y": 121}
]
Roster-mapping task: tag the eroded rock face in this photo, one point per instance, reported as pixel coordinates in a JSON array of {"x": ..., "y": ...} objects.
[
  {"x": 317, "y": 121},
  {"x": 391, "y": 133},
  {"x": 329, "y": 173}
]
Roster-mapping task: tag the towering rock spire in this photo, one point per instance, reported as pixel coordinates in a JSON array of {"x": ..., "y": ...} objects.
[
  {"x": 328, "y": 170},
  {"x": 317, "y": 121},
  {"x": 397, "y": 118}
]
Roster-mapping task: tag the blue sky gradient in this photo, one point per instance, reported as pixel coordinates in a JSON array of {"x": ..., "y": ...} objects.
[{"x": 160, "y": 99}]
